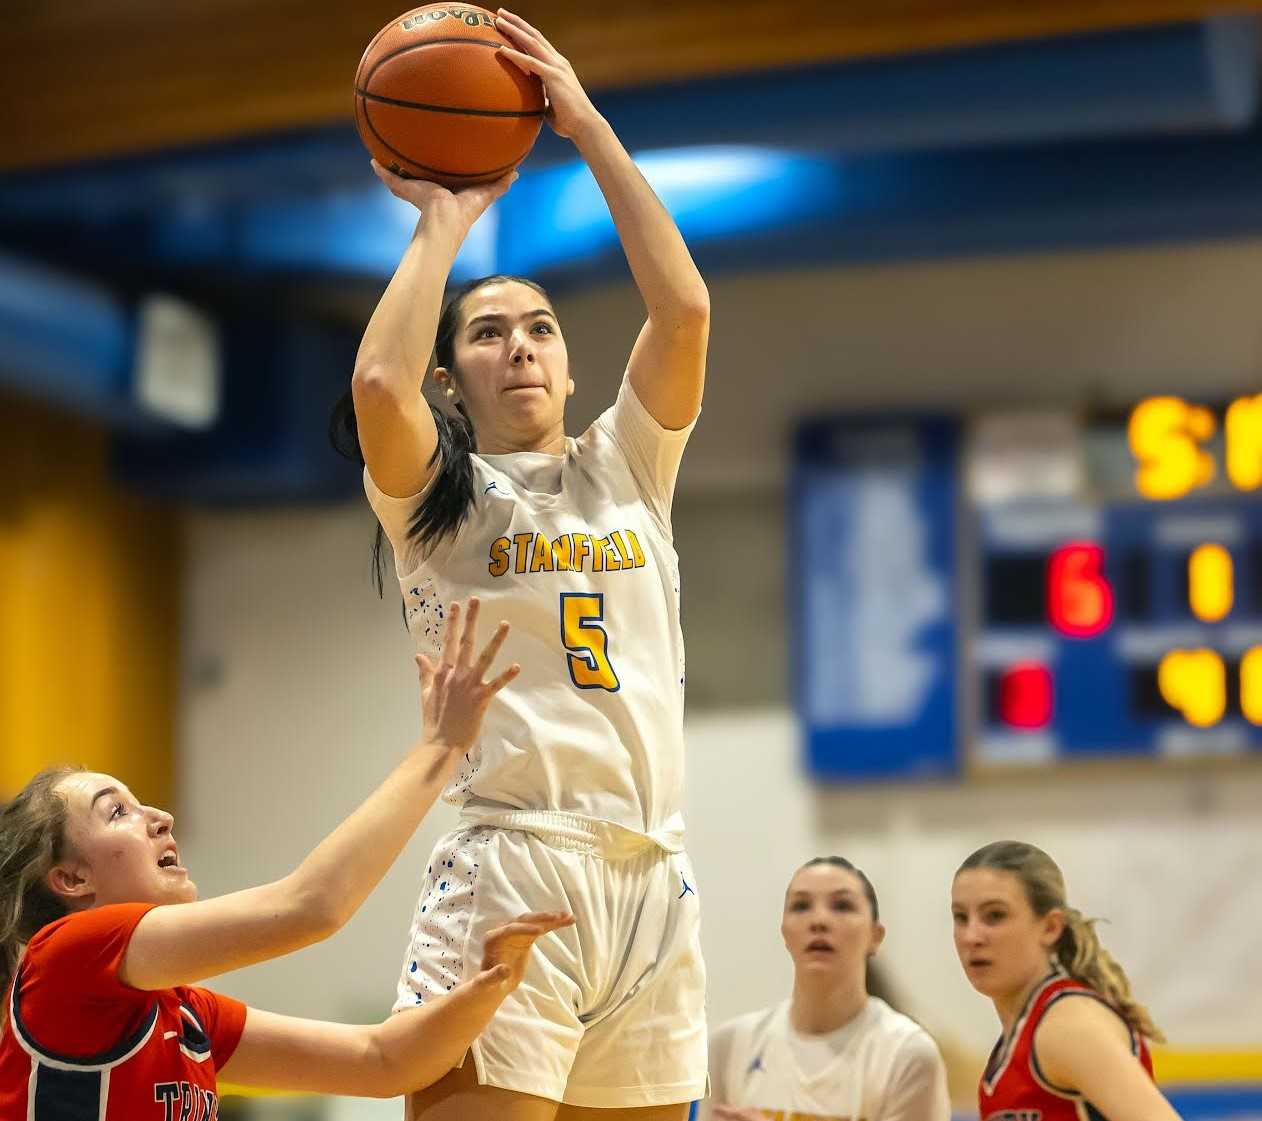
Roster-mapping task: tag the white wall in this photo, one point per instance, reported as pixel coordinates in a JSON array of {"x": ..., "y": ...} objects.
[{"x": 300, "y": 693}]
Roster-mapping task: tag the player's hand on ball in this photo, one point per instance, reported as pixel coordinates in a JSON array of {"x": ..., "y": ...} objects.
[
  {"x": 733, "y": 1113},
  {"x": 569, "y": 107},
  {"x": 507, "y": 948},
  {"x": 454, "y": 689},
  {"x": 439, "y": 205}
]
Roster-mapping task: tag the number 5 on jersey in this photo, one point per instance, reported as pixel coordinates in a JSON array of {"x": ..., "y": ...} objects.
[{"x": 586, "y": 642}]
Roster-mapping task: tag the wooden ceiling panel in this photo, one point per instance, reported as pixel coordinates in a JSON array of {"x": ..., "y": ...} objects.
[{"x": 90, "y": 78}]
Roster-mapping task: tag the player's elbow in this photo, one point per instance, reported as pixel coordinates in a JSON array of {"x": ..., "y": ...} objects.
[
  {"x": 373, "y": 383},
  {"x": 312, "y": 913},
  {"x": 692, "y": 308}
]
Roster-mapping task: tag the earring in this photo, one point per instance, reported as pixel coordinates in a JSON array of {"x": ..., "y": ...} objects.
[{"x": 451, "y": 394}]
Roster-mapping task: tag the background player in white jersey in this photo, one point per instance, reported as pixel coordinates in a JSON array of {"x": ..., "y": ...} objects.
[
  {"x": 831, "y": 1051},
  {"x": 572, "y": 795}
]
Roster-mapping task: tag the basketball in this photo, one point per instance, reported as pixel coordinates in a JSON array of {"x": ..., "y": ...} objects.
[{"x": 434, "y": 100}]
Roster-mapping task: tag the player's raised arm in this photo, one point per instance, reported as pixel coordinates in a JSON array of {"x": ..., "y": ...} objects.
[
  {"x": 183, "y": 944},
  {"x": 396, "y": 429},
  {"x": 667, "y": 366}
]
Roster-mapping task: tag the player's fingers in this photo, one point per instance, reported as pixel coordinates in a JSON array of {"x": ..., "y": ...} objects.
[
  {"x": 524, "y": 62},
  {"x": 424, "y": 668},
  {"x": 527, "y": 929},
  {"x": 487, "y": 193},
  {"x": 453, "y": 630},
  {"x": 504, "y": 678},
  {"x": 470, "y": 631},
  {"x": 550, "y": 919},
  {"x": 491, "y": 978},
  {"x": 491, "y": 651},
  {"x": 514, "y": 20}
]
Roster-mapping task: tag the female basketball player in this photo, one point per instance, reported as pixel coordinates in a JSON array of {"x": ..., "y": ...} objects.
[
  {"x": 831, "y": 1049},
  {"x": 572, "y": 796},
  {"x": 100, "y": 1020},
  {"x": 1074, "y": 1041}
]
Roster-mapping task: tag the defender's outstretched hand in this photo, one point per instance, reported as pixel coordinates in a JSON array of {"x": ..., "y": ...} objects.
[
  {"x": 507, "y": 948},
  {"x": 454, "y": 692}
]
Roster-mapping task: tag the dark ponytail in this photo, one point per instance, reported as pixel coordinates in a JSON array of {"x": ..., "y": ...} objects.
[{"x": 446, "y": 505}]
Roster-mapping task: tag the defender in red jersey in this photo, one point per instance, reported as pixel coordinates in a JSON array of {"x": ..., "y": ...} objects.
[
  {"x": 102, "y": 938},
  {"x": 1074, "y": 1043}
]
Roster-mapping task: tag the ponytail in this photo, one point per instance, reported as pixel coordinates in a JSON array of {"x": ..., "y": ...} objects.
[
  {"x": 1077, "y": 950},
  {"x": 446, "y": 505},
  {"x": 449, "y": 497},
  {"x": 32, "y": 840},
  {"x": 1083, "y": 957}
]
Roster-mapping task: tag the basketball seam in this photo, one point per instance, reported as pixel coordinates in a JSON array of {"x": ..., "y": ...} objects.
[
  {"x": 417, "y": 46},
  {"x": 426, "y": 167},
  {"x": 448, "y": 108}
]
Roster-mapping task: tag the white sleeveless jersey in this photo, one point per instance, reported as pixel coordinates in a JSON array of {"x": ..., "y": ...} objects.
[
  {"x": 576, "y": 552},
  {"x": 886, "y": 1068}
]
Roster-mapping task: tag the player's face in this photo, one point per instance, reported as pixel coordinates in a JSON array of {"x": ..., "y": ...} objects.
[
  {"x": 827, "y": 926},
  {"x": 118, "y": 850},
  {"x": 1002, "y": 944},
  {"x": 513, "y": 366}
]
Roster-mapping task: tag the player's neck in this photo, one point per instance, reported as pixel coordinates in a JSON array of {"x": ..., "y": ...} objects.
[
  {"x": 1010, "y": 1005},
  {"x": 550, "y": 441},
  {"x": 818, "y": 1008}
]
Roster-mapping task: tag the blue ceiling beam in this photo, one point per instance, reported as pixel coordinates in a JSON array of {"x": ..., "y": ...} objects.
[
  {"x": 66, "y": 341},
  {"x": 747, "y": 207}
]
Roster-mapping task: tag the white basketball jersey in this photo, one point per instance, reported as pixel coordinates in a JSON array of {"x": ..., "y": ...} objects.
[
  {"x": 575, "y": 551},
  {"x": 885, "y": 1068}
]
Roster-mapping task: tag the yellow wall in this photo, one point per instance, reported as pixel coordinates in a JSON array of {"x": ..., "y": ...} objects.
[{"x": 89, "y": 581}]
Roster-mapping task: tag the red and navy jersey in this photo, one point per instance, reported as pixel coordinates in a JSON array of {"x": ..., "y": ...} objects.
[
  {"x": 1013, "y": 1088},
  {"x": 79, "y": 1045}
]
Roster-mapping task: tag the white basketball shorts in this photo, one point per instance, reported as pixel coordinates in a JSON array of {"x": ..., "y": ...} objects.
[{"x": 611, "y": 1011}]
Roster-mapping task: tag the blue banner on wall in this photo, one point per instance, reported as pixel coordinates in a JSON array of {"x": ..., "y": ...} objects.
[{"x": 873, "y": 572}]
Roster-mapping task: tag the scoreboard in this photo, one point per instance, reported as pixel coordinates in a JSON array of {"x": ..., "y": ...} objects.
[{"x": 1027, "y": 589}]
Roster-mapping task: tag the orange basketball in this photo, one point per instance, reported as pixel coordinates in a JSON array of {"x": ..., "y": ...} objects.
[{"x": 434, "y": 100}]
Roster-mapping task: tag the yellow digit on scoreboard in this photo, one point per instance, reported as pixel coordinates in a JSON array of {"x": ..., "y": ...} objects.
[
  {"x": 1211, "y": 583},
  {"x": 1251, "y": 685},
  {"x": 1243, "y": 429},
  {"x": 1195, "y": 683},
  {"x": 1165, "y": 435}
]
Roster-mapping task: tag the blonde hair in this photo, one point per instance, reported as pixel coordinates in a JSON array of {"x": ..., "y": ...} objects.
[
  {"x": 1078, "y": 949},
  {"x": 32, "y": 840}
]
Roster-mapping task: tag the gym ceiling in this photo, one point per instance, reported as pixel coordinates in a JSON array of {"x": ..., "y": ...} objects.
[{"x": 205, "y": 149}]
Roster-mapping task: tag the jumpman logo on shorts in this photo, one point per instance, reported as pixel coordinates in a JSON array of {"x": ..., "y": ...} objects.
[
  {"x": 687, "y": 889},
  {"x": 756, "y": 1065},
  {"x": 493, "y": 486}
]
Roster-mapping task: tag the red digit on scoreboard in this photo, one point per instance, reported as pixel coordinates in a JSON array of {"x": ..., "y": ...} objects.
[
  {"x": 1026, "y": 695},
  {"x": 1079, "y": 598}
]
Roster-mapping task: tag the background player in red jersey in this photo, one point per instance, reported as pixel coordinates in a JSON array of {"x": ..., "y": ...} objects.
[
  {"x": 100, "y": 1020},
  {"x": 1022, "y": 945}
]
